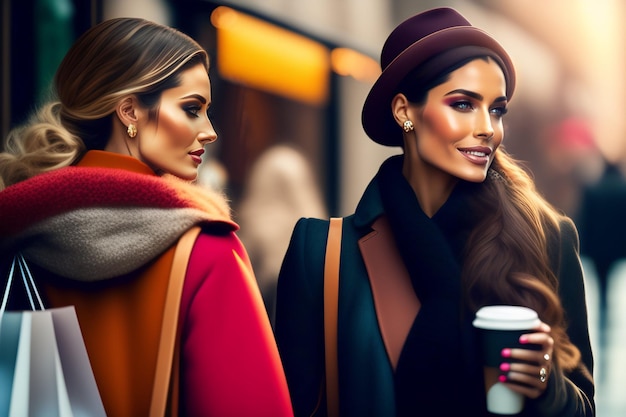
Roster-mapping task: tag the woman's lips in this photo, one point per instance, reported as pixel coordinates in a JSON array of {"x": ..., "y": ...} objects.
[
  {"x": 478, "y": 155},
  {"x": 196, "y": 156}
]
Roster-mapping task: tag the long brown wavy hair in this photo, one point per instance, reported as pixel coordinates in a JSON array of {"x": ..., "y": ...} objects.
[
  {"x": 113, "y": 59},
  {"x": 507, "y": 259}
]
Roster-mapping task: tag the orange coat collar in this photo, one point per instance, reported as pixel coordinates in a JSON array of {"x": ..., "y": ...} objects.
[{"x": 105, "y": 159}]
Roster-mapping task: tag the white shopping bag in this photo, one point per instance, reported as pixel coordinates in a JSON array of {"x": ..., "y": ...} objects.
[{"x": 43, "y": 361}]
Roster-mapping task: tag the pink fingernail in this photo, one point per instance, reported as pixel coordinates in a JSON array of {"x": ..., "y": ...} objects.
[
  {"x": 506, "y": 353},
  {"x": 502, "y": 378},
  {"x": 523, "y": 339},
  {"x": 505, "y": 367}
]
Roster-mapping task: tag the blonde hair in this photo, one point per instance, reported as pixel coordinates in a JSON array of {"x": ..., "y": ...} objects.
[
  {"x": 42, "y": 144},
  {"x": 113, "y": 59}
]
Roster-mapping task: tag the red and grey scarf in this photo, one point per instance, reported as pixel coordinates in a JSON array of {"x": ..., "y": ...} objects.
[{"x": 89, "y": 223}]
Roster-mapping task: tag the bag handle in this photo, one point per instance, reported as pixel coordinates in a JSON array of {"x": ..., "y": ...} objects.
[
  {"x": 29, "y": 285},
  {"x": 331, "y": 307},
  {"x": 167, "y": 356}
]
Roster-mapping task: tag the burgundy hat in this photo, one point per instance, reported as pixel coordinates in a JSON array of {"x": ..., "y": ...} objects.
[{"x": 412, "y": 43}]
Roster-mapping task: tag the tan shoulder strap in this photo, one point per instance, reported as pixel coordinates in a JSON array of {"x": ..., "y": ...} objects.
[
  {"x": 168, "y": 339},
  {"x": 331, "y": 306}
]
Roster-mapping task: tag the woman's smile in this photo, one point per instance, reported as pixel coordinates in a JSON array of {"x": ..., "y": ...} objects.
[{"x": 478, "y": 155}]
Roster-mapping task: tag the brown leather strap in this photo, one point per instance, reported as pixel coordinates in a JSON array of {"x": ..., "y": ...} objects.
[
  {"x": 174, "y": 399},
  {"x": 169, "y": 326},
  {"x": 331, "y": 306}
]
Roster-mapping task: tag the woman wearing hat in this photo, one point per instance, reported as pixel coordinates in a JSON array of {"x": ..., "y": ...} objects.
[{"x": 449, "y": 226}]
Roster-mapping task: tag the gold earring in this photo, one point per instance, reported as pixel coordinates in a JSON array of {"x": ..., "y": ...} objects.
[
  {"x": 132, "y": 131},
  {"x": 407, "y": 126}
]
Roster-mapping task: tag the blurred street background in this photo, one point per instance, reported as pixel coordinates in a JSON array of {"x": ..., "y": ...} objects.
[{"x": 289, "y": 78}]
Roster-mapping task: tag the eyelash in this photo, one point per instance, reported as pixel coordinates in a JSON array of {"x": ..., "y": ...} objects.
[
  {"x": 195, "y": 111},
  {"x": 464, "y": 105},
  {"x": 502, "y": 110},
  {"x": 192, "y": 110}
]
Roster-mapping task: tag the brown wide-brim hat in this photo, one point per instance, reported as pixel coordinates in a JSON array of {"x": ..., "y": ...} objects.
[{"x": 412, "y": 43}]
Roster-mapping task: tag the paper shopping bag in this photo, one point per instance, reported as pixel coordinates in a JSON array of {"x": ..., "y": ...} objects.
[
  {"x": 34, "y": 375},
  {"x": 45, "y": 367},
  {"x": 79, "y": 379},
  {"x": 51, "y": 373},
  {"x": 10, "y": 325}
]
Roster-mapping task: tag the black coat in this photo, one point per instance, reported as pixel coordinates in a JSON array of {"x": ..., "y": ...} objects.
[{"x": 368, "y": 385}]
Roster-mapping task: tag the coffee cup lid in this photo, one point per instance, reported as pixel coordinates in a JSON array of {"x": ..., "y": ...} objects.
[{"x": 504, "y": 317}]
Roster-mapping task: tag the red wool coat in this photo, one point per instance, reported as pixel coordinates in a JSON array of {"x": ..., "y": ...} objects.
[{"x": 228, "y": 361}]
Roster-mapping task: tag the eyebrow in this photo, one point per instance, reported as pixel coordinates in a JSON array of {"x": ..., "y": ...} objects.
[
  {"x": 197, "y": 97},
  {"x": 474, "y": 95}
]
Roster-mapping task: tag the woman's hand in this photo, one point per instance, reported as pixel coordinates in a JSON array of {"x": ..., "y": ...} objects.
[{"x": 526, "y": 371}]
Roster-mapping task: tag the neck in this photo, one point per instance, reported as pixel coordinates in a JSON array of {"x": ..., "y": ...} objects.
[
  {"x": 118, "y": 146},
  {"x": 120, "y": 143},
  {"x": 432, "y": 186}
]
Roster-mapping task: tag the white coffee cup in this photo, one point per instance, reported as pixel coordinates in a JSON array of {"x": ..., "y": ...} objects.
[{"x": 500, "y": 327}]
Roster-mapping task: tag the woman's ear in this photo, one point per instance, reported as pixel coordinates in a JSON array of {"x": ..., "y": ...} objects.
[
  {"x": 126, "y": 110},
  {"x": 399, "y": 108}
]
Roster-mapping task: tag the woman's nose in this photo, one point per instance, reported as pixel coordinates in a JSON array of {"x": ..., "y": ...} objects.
[
  {"x": 208, "y": 135},
  {"x": 484, "y": 126}
]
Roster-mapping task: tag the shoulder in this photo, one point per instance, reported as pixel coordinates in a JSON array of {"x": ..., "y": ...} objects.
[
  {"x": 301, "y": 273},
  {"x": 564, "y": 252},
  {"x": 306, "y": 247},
  {"x": 568, "y": 230},
  {"x": 218, "y": 260},
  {"x": 310, "y": 237},
  {"x": 211, "y": 202},
  {"x": 216, "y": 244},
  {"x": 310, "y": 230},
  {"x": 562, "y": 245},
  {"x": 563, "y": 237}
]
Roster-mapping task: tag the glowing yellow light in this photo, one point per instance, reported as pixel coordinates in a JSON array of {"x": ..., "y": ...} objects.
[
  {"x": 348, "y": 62},
  {"x": 256, "y": 53}
]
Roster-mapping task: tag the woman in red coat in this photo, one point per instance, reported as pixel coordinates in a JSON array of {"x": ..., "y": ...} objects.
[{"x": 96, "y": 194}]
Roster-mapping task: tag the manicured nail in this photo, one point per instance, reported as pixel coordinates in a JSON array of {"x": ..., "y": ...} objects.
[
  {"x": 505, "y": 367},
  {"x": 523, "y": 339},
  {"x": 506, "y": 353},
  {"x": 502, "y": 378}
]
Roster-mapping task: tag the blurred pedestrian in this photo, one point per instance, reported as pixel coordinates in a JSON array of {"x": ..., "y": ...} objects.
[
  {"x": 280, "y": 189},
  {"x": 603, "y": 229}
]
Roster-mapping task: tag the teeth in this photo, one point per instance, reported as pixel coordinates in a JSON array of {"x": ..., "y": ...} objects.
[{"x": 476, "y": 153}]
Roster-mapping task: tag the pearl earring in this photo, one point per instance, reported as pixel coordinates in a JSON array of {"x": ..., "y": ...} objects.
[{"x": 407, "y": 126}]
